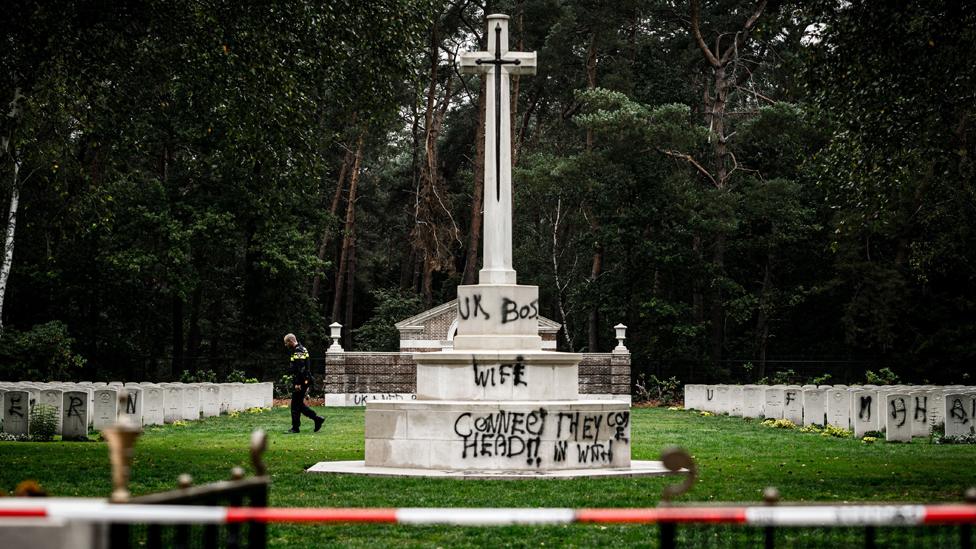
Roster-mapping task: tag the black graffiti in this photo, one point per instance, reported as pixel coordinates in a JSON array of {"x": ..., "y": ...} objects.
[
  {"x": 467, "y": 312},
  {"x": 709, "y": 394},
  {"x": 74, "y": 404},
  {"x": 864, "y": 411},
  {"x": 921, "y": 408},
  {"x": 360, "y": 399},
  {"x": 499, "y": 375},
  {"x": 559, "y": 451},
  {"x": 130, "y": 403},
  {"x": 790, "y": 397},
  {"x": 595, "y": 452},
  {"x": 16, "y": 406},
  {"x": 502, "y": 434},
  {"x": 958, "y": 412},
  {"x": 618, "y": 421},
  {"x": 511, "y": 311},
  {"x": 897, "y": 412}
]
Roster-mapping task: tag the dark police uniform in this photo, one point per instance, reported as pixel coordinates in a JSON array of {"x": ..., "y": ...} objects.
[{"x": 301, "y": 376}]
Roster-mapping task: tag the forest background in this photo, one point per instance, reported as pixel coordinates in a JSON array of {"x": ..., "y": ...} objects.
[{"x": 748, "y": 186}]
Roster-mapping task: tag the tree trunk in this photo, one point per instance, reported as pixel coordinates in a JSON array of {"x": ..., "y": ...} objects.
[
  {"x": 8, "y": 244},
  {"x": 762, "y": 317},
  {"x": 177, "y": 336},
  {"x": 324, "y": 241},
  {"x": 349, "y": 228},
  {"x": 478, "y": 194},
  {"x": 350, "y": 293},
  {"x": 593, "y": 341}
]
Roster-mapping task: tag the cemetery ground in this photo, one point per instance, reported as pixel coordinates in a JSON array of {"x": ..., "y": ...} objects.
[{"x": 736, "y": 457}]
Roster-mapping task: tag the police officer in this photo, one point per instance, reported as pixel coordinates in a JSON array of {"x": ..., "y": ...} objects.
[{"x": 301, "y": 377}]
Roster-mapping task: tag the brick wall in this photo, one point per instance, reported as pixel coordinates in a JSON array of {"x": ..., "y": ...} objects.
[{"x": 347, "y": 373}]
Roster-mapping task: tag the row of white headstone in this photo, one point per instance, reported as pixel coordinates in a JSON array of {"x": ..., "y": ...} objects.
[
  {"x": 901, "y": 411},
  {"x": 85, "y": 405}
]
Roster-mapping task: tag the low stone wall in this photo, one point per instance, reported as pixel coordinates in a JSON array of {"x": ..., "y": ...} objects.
[
  {"x": 352, "y": 379},
  {"x": 901, "y": 411}
]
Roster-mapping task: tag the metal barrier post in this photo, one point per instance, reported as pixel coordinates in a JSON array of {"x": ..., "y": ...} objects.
[{"x": 770, "y": 497}]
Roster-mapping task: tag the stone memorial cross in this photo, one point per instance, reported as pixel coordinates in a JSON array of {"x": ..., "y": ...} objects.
[{"x": 498, "y": 64}]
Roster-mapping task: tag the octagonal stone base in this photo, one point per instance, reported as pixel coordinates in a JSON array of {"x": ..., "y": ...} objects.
[{"x": 498, "y": 435}]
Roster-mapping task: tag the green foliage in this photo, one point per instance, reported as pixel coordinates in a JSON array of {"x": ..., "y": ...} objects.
[
  {"x": 200, "y": 376},
  {"x": 43, "y": 352},
  {"x": 43, "y": 422},
  {"x": 666, "y": 392},
  {"x": 238, "y": 376},
  {"x": 884, "y": 377},
  {"x": 379, "y": 333},
  {"x": 284, "y": 387}
]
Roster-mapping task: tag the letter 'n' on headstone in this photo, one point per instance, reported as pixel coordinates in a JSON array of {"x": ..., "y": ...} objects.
[
  {"x": 133, "y": 405},
  {"x": 16, "y": 412},
  {"x": 74, "y": 415},
  {"x": 898, "y": 424}
]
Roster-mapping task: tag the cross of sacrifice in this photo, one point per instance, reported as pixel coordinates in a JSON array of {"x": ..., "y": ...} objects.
[{"x": 499, "y": 64}]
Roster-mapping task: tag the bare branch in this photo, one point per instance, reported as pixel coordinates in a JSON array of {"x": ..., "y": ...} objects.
[
  {"x": 696, "y": 32},
  {"x": 743, "y": 35},
  {"x": 689, "y": 159}
]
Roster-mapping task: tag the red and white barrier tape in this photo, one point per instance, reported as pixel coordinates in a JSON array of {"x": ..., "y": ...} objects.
[{"x": 784, "y": 515}]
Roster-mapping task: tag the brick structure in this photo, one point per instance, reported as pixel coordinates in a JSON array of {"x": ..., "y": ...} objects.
[{"x": 352, "y": 379}]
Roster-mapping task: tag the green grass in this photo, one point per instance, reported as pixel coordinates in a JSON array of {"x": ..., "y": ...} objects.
[{"x": 737, "y": 459}]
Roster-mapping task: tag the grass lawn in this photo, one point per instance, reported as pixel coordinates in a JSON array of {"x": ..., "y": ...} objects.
[{"x": 737, "y": 459}]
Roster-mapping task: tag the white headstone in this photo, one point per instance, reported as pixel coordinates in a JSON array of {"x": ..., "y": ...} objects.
[
  {"x": 753, "y": 399},
  {"x": 268, "y": 394},
  {"x": 153, "y": 412},
  {"x": 722, "y": 400},
  {"x": 898, "y": 424},
  {"x": 918, "y": 401},
  {"x": 793, "y": 404},
  {"x": 839, "y": 408},
  {"x": 209, "y": 399},
  {"x": 775, "y": 398},
  {"x": 53, "y": 398},
  {"x": 172, "y": 402},
  {"x": 238, "y": 400},
  {"x": 224, "y": 392},
  {"x": 937, "y": 407},
  {"x": 106, "y": 410},
  {"x": 191, "y": 403},
  {"x": 74, "y": 421},
  {"x": 960, "y": 409},
  {"x": 864, "y": 411},
  {"x": 736, "y": 400},
  {"x": 814, "y": 406},
  {"x": 134, "y": 405},
  {"x": 16, "y": 412}
]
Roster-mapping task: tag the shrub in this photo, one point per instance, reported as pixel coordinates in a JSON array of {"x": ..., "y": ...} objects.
[
  {"x": 238, "y": 376},
  {"x": 43, "y": 422},
  {"x": 884, "y": 377},
  {"x": 665, "y": 391},
  {"x": 43, "y": 352},
  {"x": 284, "y": 386},
  {"x": 779, "y": 424},
  {"x": 200, "y": 376}
]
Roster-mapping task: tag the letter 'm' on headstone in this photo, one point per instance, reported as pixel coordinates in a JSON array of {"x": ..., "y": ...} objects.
[
  {"x": 753, "y": 398},
  {"x": 16, "y": 412},
  {"x": 134, "y": 404},
  {"x": 191, "y": 403},
  {"x": 918, "y": 401},
  {"x": 153, "y": 412},
  {"x": 106, "y": 408},
  {"x": 814, "y": 406},
  {"x": 793, "y": 404},
  {"x": 172, "y": 402},
  {"x": 775, "y": 398},
  {"x": 959, "y": 411},
  {"x": 898, "y": 424},
  {"x": 210, "y": 399},
  {"x": 864, "y": 411},
  {"x": 74, "y": 418},
  {"x": 839, "y": 407},
  {"x": 52, "y": 398}
]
